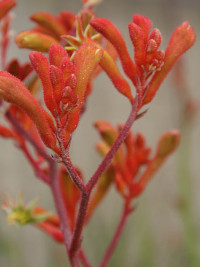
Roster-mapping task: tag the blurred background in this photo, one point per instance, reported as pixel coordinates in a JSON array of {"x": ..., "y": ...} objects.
[{"x": 163, "y": 231}]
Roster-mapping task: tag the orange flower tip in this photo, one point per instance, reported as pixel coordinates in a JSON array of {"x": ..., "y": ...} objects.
[
  {"x": 137, "y": 38},
  {"x": 160, "y": 55},
  {"x": 151, "y": 46},
  {"x": 36, "y": 58},
  {"x": 35, "y": 41},
  {"x": 49, "y": 22},
  {"x": 156, "y": 36},
  {"x": 5, "y": 132},
  {"x": 181, "y": 40},
  {"x": 91, "y": 3},
  {"x": 6, "y": 6},
  {"x": 168, "y": 143},
  {"x": 100, "y": 24},
  {"x": 143, "y": 22},
  {"x": 56, "y": 54}
]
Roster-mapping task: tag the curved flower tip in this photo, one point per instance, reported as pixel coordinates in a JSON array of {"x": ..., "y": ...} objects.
[
  {"x": 112, "y": 34},
  {"x": 91, "y": 3},
  {"x": 181, "y": 40},
  {"x": 35, "y": 41},
  {"x": 49, "y": 22},
  {"x": 6, "y": 133},
  {"x": 6, "y": 6},
  {"x": 167, "y": 144},
  {"x": 85, "y": 62},
  {"x": 14, "y": 91}
]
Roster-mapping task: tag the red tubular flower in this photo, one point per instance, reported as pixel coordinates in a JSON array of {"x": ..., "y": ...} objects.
[
  {"x": 65, "y": 82},
  {"x": 111, "y": 33},
  {"x": 21, "y": 71},
  {"x": 181, "y": 40},
  {"x": 131, "y": 158},
  {"x": 166, "y": 146},
  {"x": 14, "y": 91},
  {"x": 151, "y": 64},
  {"x": 48, "y": 31},
  {"x": 70, "y": 193},
  {"x": 35, "y": 40},
  {"x": 6, "y": 133},
  {"x": 51, "y": 230},
  {"x": 86, "y": 34},
  {"x": 5, "y": 7}
]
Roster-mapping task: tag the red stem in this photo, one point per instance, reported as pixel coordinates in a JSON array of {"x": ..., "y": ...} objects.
[
  {"x": 54, "y": 181},
  {"x": 26, "y": 135},
  {"x": 76, "y": 240},
  {"x": 39, "y": 173},
  {"x": 84, "y": 259},
  {"x": 75, "y": 243},
  {"x": 107, "y": 160},
  {"x": 66, "y": 158},
  {"x": 54, "y": 184},
  {"x": 115, "y": 239},
  {"x": 60, "y": 206}
]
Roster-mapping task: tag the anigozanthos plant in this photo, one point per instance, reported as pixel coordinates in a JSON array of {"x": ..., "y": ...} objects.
[{"x": 79, "y": 47}]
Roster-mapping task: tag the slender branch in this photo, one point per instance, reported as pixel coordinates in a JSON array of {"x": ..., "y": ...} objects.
[
  {"x": 64, "y": 222},
  {"x": 71, "y": 170},
  {"x": 76, "y": 240},
  {"x": 107, "y": 160},
  {"x": 75, "y": 243},
  {"x": 66, "y": 158},
  {"x": 54, "y": 181},
  {"x": 39, "y": 173},
  {"x": 115, "y": 239},
  {"x": 84, "y": 259},
  {"x": 26, "y": 135}
]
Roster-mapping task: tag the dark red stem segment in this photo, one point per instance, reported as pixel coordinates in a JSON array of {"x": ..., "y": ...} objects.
[
  {"x": 39, "y": 173},
  {"x": 66, "y": 158},
  {"x": 71, "y": 170},
  {"x": 84, "y": 260},
  {"x": 107, "y": 160},
  {"x": 76, "y": 239},
  {"x": 116, "y": 236},
  {"x": 23, "y": 132},
  {"x": 54, "y": 182},
  {"x": 60, "y": 207}
]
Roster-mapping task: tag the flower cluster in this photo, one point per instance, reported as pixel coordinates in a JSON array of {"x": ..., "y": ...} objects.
[{"x": 79, "y": 48}]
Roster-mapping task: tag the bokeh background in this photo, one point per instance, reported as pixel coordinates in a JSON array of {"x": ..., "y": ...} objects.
[{"x": 163, "y": 230}]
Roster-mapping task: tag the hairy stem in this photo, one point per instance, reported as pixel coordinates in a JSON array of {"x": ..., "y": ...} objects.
[
  {"x": 107, "y": 160},
  {"x": 54, "y": 181},
  {"x": 76, "y": 239},
  {"x": 84, "y": 260},
  {"x": 39, "y": 173},
  {"x": 55, "y": 187},
  {"x": 86, "y": 190},
  {"x": 26, "y": 135}
]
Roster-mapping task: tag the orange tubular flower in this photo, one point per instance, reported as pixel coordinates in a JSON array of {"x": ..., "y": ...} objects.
[
  {"x": 181, "y": 40},
  {"x": 71, "y": 194},
  {"x": 151, "y": 64},
  {"x": 48, "y": 31},
  {"x": 14, "y": 91},
  {"x": 6, "y": 6},
  {"x": 65, "y": 82},
  {"x": 134, "y": 154}
]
